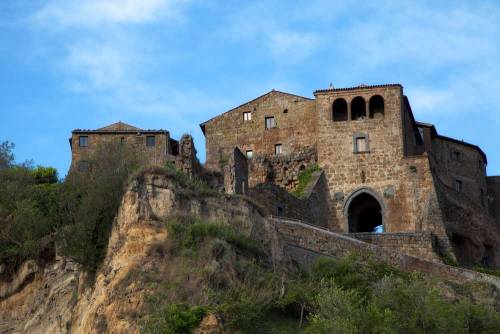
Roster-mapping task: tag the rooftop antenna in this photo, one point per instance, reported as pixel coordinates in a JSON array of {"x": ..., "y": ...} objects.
[{"x": 331, "y": 85}]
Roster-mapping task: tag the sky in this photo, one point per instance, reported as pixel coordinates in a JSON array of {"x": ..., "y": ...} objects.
[{"x": 173, "y": 64}]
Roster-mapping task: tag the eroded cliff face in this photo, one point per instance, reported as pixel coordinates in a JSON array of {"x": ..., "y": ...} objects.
[{"x": 60, "y": 298}]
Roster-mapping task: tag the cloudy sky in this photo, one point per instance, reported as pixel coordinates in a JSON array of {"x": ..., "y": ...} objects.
[{"x": 173, "y": 64}]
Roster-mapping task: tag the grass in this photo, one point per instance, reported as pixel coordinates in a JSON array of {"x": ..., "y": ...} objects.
[{"x": 305, "y": 178}]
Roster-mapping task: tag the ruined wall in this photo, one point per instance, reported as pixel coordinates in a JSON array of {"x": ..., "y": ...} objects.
[
  {"x": 282, "y": 170},
  {"x": 294, "y": 119},
  {"x": 494, "y": 197},
  {"x": 186, "y": 161},
  {"x": 236, "y": 174},
  {"x": 419, "y": 245},
  {"x": 404, "y": 185},
  {"x": 156, "y": 155}
]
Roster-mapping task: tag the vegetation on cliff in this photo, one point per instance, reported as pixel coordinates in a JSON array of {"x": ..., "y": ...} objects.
[{"x": 215, "y": 269}]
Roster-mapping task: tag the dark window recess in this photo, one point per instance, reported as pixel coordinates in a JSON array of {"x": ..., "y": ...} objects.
[
  {"x": 456, "y": 155},
  {"x": 458, "y": 186},
  {"x": 285, "y": 111},
  {"x": 83, "y": 141},
  {"x": 270, "y": 123},
  {"x": 150, "y": 141},
  {"x": 278, "y": 149},
  {"x": 358, "y": 108},
  {"x": 280, "y": 211},
  {"x": 83, "y": 166},
  {"x": 339, "y": 110}
]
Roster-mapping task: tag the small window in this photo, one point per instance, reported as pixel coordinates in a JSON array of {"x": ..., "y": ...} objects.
[
  {"x": 270, "y": 123},
  {"x": 456, "y": 155},
  {"x": 122, "y": 140},
  {"x": 150, "y": 141},
  {"x": 280, "y": 212},
  {"x": 249, "y": 154},
  {"x": 277, "y": 149},
  {"x": 458, "y": 186},
  {"x": 247, "y": 116},
  {"x": 285, "y": 111},
  {"x": 83, "y": 166},
  {"x": 361, "y": 143},
  {"x": 83, "y": 141}
]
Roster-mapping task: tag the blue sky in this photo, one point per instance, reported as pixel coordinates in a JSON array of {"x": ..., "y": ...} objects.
[{"x": 173, "y": 64}]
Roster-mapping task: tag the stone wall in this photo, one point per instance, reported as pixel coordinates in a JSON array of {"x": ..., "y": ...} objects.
[
  {"x": 473, "y": 233},
  {"x": 236, "y": 174},
  {"x": 467, "y": 165},
  {"x": 159, "y": 154},
  {"x": 187, "y": 161},
  {"x": 304, "y": 243},
  {"x": 311, "y": 208},
  {"x": 419, "y": 245},
  {"x": 294, "y": 119},
  {"x": 494, "y": 197},
  {"x": 402, "y": 184},
  {"x": 282, "y": 170}
]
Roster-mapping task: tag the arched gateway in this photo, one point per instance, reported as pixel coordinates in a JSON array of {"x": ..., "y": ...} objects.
[{"x": 364, "y": 211}]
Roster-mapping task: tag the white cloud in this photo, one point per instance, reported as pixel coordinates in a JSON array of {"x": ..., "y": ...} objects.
[{"x": 67, "y": 13}]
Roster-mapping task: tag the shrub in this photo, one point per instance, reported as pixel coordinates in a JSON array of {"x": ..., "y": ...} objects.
[
  {"x": 90, "y": 202},
  {"x": 173, "y": 318}
]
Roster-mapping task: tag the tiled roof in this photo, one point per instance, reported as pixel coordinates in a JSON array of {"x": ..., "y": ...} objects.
[
  {"x": 118, "y": 127},
  {"x": 357, "y": 87}
]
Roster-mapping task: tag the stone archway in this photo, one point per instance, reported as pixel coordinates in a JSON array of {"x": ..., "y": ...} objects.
[{"x": 364, "y": 212}]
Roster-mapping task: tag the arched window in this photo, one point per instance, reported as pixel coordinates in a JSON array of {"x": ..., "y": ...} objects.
[
  {"x": 339, "y": 110},
  {"x": 377, "y": 107},
  {"x": 358, "y": 108}
]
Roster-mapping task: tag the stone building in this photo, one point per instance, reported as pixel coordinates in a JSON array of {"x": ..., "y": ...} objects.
[
  {"x": 382, "y": 170},
  {"x": 156, "y": 145}
]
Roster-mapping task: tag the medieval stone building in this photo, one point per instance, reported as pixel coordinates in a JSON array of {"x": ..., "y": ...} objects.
[{"x": 379, "y": 170}]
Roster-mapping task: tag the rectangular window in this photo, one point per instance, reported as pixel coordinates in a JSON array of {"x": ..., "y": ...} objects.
[
  {"x": 249, "y": 154},
  {"x": 83, "y": 166},
  {"x": 456, "y": 155},
  {"x": 277, "y": 149},
  {"x": 83, "y": 141},
  {"x": 247, "y": 116},
  {"x": 458, "y": 186},
  {"x": 270, "y": 123},
  {"x": 361, "y": 143},
  {"x": 150, "y": 141}
]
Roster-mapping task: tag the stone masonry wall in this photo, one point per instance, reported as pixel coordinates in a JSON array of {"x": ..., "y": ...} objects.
[
  {"x": 494, "y": 197},
  {"x": 236, "y": 174},
  {"x": 282, "y": 170},
  {"x": 304, "y": 242},
  {"x": 404, "y": 184},
  {"x": 419, "y": 245},
  {"x": 470, "y": 168},
  {"x": 295, "y": 125},
  {"x": 156, "y": 155},
  {"x": 187, "y": 161}
]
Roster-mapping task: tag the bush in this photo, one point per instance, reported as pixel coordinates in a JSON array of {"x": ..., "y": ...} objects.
[
  {"x": 90, "y": 201},
  {"x": 173, "y": 318},
  {"x": 28, "y": 209}
]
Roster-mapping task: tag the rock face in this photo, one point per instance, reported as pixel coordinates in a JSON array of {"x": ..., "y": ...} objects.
[{"x": 61, "y": 299}]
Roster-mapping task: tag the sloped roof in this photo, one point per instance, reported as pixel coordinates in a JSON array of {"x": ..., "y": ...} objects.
[
  {"x": 202, "y": 125},
  {"x": 118, "y": 126}
]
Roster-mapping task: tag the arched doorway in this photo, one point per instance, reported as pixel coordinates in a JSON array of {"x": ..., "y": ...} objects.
[{"x": 365, "y": 214}]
